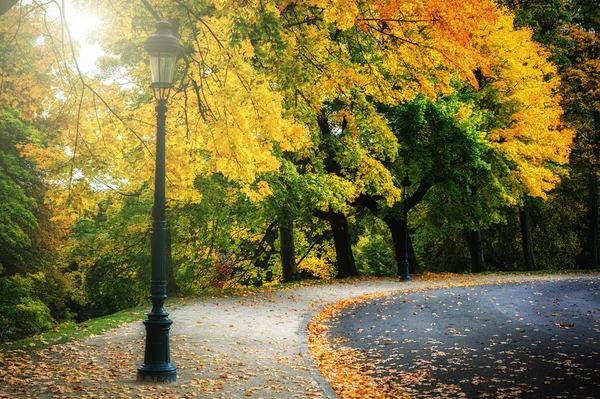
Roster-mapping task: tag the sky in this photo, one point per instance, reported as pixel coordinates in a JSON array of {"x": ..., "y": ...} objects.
[{"x": 81, "y": 24}]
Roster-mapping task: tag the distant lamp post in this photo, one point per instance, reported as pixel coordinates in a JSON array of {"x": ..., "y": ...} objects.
[
  {"x": 164, "y": 48},
  {"x": 405, "y": 266}
]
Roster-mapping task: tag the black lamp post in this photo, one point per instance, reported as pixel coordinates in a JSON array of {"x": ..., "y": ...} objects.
[
  {"x": 164, "y": 48},
  {"x": 404, "y": 268}
]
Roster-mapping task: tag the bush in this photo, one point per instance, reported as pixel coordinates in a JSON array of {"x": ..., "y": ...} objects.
[
  {"x": 110, "y": 287},
  {"x": 375, "y": 256},
  {"x": 22, "y": 315},
  {"x": 31, "y": 316}
]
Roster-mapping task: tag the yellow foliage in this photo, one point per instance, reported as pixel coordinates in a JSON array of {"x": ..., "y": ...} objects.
[
  {"x": 533, "y": 136},
  {"x": 233, "y": 117},
  {"x": 318, "y": 268}
]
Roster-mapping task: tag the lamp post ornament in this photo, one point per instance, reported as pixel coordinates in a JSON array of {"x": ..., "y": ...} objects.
[
  {"x": 163, "y": 48},
  {"x": 405, "y": 266}
]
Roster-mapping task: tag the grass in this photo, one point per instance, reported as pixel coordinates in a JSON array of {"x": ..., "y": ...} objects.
[{"x": 72, "y": 331}]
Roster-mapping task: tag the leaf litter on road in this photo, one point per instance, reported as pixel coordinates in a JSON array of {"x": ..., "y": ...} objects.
[{"x": 389, "y": 363}]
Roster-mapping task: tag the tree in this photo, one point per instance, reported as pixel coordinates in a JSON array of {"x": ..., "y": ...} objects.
[
  {"x": 34, "y": 292},
  {"x": 569, "y": 30},
  {"x": 582, "y": 83},
  {"x": 349, "y": 58}
]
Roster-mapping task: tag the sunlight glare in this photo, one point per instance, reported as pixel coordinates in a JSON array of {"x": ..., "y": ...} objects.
[{"x": 82, "y": 27}]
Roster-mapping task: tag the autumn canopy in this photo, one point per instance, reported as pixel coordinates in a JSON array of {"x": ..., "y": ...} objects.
[{"x": 290, "y": 128}]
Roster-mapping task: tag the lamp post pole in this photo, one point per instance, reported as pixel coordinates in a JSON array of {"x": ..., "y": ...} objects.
[
  {"x": 163, "y": 48},
  {"x": 405, "y": 267}
]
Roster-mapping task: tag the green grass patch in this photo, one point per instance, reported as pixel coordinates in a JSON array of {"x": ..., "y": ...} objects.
[{"x": 71, "y": 331}]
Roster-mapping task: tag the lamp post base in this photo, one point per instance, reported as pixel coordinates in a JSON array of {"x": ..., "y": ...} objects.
[
  {"x": 157, "y": 365},
  {"x": 154, "y": 374}
]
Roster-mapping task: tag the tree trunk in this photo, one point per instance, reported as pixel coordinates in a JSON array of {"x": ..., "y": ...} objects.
[
  {"x": 341, "y": 240},
  {"x": 397, "y": 230},
  {"x": 7, "y": 5},
  {"x": 476, "y": 251},
  {"x": 286, "y": 248},
  {"x": 593, "y": 221},
  {"x": 412, "y": 258},
  {"x": 172, "y": 287},
  {"x": 525, "y": 218},
  {"x": 593, "y": 200},
  {"x": 343, "y": 246}
]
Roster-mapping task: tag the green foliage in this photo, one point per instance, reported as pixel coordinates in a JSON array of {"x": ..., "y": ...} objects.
[
  {"x": 70, "y": 331},
  {"x": 374, "y": 250},
  {"x": 224, "y": 239},
  {"x": 449, "y": 152},
  {"x": 439, "y": 246},
  {"x": 20, "y": 314},
  {"x": 18, "y": 206},
  {"x": 555, "y": 229},
  {"x": 556, "y": 246},
  {"x": 110, "y": 287},
  {"x": 34, "y": 293},
  {"x": 31, "y": 316},
  {"x": 109, "y": 256}
]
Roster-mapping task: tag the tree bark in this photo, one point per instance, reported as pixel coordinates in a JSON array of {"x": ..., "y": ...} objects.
[
  {"x": 476, "y": 251},
  {"x": 343, "y": 247},
  {"x": 593, "y": 221},
  {"x": 286, "y": 248},
  {"x": 7, "y": 5},
  {"x": 341, "y": 240},
  {"x": 396, "y": 225},
  {"x": 525, "y": 219},
  {"x": 412, "y": 258},
  {"x": 593, "y": 200},
  {"x": 397, "y": 230}
]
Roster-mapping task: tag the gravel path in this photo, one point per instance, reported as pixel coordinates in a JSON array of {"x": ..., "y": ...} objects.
[{"x": 232, "y": 347}]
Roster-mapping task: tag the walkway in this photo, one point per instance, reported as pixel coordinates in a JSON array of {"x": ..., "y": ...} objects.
[{"x": 232, "y": 347}]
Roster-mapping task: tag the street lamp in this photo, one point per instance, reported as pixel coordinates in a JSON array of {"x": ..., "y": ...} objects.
[
  {"x": 163, "y": 48},
  {"x": 404, "y": 267}
]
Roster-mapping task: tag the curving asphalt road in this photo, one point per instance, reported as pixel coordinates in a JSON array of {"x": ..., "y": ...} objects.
[{"x": 537, "y": 339}]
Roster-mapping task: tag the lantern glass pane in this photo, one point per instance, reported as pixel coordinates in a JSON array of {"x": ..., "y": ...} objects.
[{"x": 162, "y": 66}]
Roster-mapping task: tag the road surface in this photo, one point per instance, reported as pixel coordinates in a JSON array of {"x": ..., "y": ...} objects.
[{"x": 527, "y": 340}]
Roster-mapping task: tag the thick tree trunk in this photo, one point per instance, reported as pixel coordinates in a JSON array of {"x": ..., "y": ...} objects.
[
  {"x": 412, "y": 258},
  {"x": 343, "y": 246},
  {"x": 286, "y": 249},
  {"x": 476, "y": 251},
  {"x": 341, "y": 240},
  {"x": 172, "y": 287},
  {"x": 397, "y": 230},
  {"x": 593, "y": 200},
  {"x": 593, "y": 222},
  {"x": 525, "y": 218}
]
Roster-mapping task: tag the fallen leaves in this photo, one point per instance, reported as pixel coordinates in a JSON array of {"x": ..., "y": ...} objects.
[
  {"x": 341, "y": 366},
  {"x": 395, "y": 361},
  {"x": 564, "y": 325}
]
